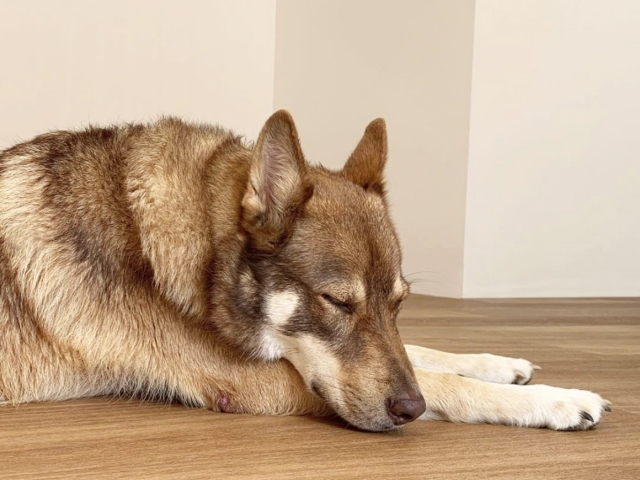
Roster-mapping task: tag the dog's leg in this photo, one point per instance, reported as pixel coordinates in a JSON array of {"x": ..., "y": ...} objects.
[
  {"x": 483, "y": 366},
  {"x": 458, "y": 399},
  {"x": 148, "y": 351},
  {"x": 239, "y": 385},
  {"x": 178, "y": 362}
]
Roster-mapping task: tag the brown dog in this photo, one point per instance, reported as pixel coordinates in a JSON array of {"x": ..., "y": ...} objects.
[{"x": 175, "y": 261}]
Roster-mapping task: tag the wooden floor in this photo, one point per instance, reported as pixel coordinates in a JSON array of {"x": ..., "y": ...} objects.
[{"x": 590, "y": 343}]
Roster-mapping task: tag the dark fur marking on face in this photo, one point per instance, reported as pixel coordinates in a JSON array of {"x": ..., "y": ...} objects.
[{"x": 316, "y": 390}]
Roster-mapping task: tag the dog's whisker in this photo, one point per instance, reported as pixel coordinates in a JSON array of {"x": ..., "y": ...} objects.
[
  {"x": 422, "y": 280},
  {"x": 422, "y": 271}
]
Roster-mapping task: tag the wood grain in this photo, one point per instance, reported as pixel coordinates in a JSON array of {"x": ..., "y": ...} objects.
[{"x": 586, "y": 343}]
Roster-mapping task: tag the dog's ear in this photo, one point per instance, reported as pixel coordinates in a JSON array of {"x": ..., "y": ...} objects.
[
  {"x": 365, "y": 166},
  {"x": 278, "y": 185}
]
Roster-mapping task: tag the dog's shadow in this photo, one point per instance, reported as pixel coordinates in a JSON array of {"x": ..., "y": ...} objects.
[{"x": 337, "y": 422}]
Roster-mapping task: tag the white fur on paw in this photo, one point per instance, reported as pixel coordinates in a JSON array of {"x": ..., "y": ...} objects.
[
  {"x": 561, "y": 409},
  {"x": 484, "y": 366},
  {"x": 497, "y": 369}
]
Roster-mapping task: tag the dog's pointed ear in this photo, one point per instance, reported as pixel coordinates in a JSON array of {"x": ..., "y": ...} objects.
[
  {"x": 278, "y": 184},
  {"x": 365, "y": 166}
]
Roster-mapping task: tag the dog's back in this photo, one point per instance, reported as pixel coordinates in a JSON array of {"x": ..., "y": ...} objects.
[{"x": 90, "y": 220}]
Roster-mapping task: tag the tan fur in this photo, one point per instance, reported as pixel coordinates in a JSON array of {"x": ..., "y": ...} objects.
[{"x": 176, "y": 261}]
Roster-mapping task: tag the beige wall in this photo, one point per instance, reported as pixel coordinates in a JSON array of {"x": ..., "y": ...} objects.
[
  {"x": 550, "y": 89},
  {"x": 553, "y": 201},
  {"x": 340, "y": 64},
  {"x": 67, "y": 63}
]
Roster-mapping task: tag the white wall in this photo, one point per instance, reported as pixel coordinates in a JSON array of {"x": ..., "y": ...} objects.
[
  {"x": 553, "y": 200},
  {"x": 340, "y": 64},
  {"x": 67, "y": 63}
]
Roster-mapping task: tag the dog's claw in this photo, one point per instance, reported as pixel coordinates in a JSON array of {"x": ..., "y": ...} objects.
[
  {"x": 521, "y": 378},
  {"x": 586, "y": 416},
  {"x": 607, "y": 406},
  {"x": 536, "y": 367}
]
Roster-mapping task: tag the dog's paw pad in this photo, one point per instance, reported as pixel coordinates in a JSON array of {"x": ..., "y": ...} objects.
[{"x": 222, "y": 402}]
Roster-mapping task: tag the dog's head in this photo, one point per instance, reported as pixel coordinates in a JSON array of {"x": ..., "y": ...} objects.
[{"x": 326, "y": 257}]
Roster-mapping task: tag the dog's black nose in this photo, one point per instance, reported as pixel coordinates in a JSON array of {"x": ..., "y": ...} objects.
[{"x": 405, "y": 406}]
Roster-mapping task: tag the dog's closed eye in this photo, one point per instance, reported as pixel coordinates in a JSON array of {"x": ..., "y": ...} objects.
[
  {"x": 343, "y": 306},
  {"x": 395, "y": 307}
]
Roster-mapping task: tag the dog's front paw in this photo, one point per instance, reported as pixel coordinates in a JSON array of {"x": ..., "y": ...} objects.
[
  {"x": 562, "y": 409},
  {"x": 497, "y": 369}
]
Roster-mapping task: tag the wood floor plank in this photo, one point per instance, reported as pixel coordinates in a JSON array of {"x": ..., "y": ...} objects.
[{"x": 587, "y": 343}]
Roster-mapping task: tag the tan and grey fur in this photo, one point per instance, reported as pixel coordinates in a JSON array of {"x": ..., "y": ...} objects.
[{"x": 177, "y": 261}]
